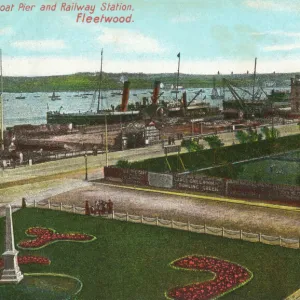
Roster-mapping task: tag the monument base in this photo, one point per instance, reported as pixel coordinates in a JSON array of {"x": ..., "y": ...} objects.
[
  {"x": 14, "y": 278},
  {"x": 11, "y": 272}
]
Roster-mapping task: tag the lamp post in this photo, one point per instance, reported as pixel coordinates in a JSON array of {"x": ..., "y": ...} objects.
[
  {"x": 86, "y": 169},
  {"x": 106, "y": 142}
]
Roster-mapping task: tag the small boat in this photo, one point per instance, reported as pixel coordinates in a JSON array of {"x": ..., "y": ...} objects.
[
  {"x": 20, "y": 97},
  {"x": 178, "y": 89},
  {"x": 54, "y": 97},
  {"x": 116, "y": 93}
]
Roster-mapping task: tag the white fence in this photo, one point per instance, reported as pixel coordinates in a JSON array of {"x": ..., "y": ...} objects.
[
  {"x": 54, "y": 206},
  {"x": 217, "y": 231}
]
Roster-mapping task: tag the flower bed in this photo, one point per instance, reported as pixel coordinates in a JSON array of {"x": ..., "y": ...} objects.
[
  {"x": 228, "y": 277},
  {"x": 45, "y": 236},
  {"x": 29, "y": 259}
]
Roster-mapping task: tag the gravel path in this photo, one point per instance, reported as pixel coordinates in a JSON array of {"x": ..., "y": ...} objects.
[
  {"x": 37, "y": 191},
  {"x": 231, "y": 216}
]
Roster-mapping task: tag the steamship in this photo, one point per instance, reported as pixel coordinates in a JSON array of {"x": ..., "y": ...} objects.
[
  {"x": 153, "y": 109},
  {"x": 121, "y": 114}
]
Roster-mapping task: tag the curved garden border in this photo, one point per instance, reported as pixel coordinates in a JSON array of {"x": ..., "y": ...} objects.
[
  {"x": 46, "y": 236},
  {"x": 225, "y": 279},
  {"x": 58, "y": 275}
]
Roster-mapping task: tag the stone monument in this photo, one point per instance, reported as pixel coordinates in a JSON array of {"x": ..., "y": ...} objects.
[{"x": 11, "y": 272}]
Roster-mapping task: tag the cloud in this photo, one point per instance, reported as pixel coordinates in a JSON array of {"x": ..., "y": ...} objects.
[
  {"x": 184, "y": 19},
  {"x": 6, "y": 31},
  {"x": 44, "y": 66},
  {"x": 282, "y": 34},
  {"x": 125, "y": 40},
  {"x": 282, "y": 47},
  {"x": 277, "y": 33},
  {"x": 40, "y": 45},
  {"x": 272, "y": 5}
]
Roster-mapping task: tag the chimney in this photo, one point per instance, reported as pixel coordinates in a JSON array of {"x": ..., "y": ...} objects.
[
  {"x": 156, "y": 92},
  {"x": 125, "y": 96}
]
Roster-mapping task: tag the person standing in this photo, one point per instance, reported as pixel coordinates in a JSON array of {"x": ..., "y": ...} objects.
[
  {"x": 110, "y": 206},
  {"x": 103, "y": 209}
]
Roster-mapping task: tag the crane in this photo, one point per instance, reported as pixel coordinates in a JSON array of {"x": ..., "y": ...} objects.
[{"x": 235, "y": 95}]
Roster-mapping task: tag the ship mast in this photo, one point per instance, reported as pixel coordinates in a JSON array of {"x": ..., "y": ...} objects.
[
  {"x": 1, "y": 103},
  {"x": 254, "y": 77},
  {"x": 100, "y": 83},
  {"x": 178, "y": 55}
]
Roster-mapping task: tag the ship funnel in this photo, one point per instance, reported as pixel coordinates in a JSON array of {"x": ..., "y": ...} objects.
[
  {"x": 184, "y": 99},
  {"x": 125, "y": 96},
  {"x": 156, "y": 92}
]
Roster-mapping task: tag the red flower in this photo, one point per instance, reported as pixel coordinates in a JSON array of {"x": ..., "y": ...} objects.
[
  {"x": 44, "y": 236},
  {"x": 229, "y": 276},
  {"x": 29, "y": 259}
]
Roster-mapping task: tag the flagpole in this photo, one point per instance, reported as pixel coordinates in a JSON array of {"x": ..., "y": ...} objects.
[
  {"x": 106, "y": 141},
  {"x": 100, "y": 84},
  {"x": 178, "y": 55}
]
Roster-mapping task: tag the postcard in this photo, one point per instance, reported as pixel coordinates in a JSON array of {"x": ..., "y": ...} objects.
[{"x": 150, "y": 149}]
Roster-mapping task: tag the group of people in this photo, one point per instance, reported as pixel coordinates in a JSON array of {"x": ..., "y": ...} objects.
[
  {"x": 102, "y": 207},
  {"x": 171, "y": 140}
]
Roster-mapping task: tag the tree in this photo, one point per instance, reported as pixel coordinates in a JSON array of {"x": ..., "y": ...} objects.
[
  {"x": 248, "y": 137},
  {"x": 191, "y": 145},
  {"x": 241, "y": 136},
  {"x": 213, "y": 141},
  {"x": 253, "y": 136},
  {"x": 125, "y": 164},
  {"x": 270, "y": 133}
]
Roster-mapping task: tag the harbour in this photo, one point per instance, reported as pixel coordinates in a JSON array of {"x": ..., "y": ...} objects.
[
  {"x": 112, "y": 120},
  {"x": 18, "y": 112}
]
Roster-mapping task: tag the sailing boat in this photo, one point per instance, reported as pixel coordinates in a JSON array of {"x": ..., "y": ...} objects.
[
  {"x": 101, "y": 116},
  {"x": 54, "y": 97}
]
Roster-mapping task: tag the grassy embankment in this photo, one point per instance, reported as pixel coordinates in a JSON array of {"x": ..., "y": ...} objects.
[
  {"x": 222, "y": 156},
  {"x": 131, "y": 261},
  {"x": 90, "y": 81}
]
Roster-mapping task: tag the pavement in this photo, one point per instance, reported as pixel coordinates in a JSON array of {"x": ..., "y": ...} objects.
[
  {"x": 76, "y": 164},
  {"x": 38, "y": 191}
]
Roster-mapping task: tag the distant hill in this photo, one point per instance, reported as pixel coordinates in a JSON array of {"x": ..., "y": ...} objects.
[{"x": 90, "y": 81}]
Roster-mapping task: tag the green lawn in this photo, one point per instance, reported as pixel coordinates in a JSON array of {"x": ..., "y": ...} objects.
[
  {"x": 266, "y": 170},
  {"x": 131, "y": 261},
  {"x": 271, "y": 171}
]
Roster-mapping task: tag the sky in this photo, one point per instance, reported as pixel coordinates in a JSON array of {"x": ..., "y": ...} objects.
[{"x": 211, "y": 36}]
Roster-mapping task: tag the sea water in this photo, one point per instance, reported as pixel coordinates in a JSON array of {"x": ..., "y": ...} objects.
[{"x": 33, "y": 109}]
